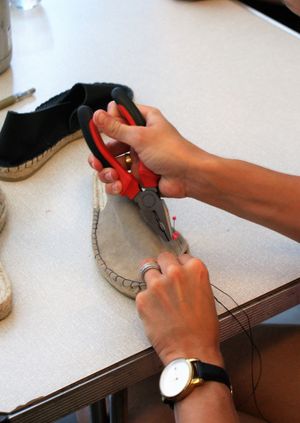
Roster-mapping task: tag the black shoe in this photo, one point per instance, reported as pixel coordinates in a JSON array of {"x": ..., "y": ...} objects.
[{"x": 28, "y": 140}]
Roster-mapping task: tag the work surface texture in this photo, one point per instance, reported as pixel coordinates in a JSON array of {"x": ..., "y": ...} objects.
[{"x": 228, "y": 80}]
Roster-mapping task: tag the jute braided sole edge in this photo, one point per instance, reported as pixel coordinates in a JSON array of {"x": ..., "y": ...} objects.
[
  {"x": 24, "y": 170},
  {"x": 6, "y": 302}
]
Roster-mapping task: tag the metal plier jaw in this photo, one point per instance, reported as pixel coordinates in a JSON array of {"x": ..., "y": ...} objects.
[{"x": 155, "y": 212}]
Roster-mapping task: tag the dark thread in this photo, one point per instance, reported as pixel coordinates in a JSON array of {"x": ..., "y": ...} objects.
[{"x": 254, "y": 347}]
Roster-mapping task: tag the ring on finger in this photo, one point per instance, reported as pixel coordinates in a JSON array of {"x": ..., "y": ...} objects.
[
  {"x": 148, "y": 266},
  {"x": 128, "y": 161}
]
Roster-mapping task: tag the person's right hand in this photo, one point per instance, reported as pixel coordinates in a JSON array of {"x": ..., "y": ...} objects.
[{"x": 158, "y": 145}]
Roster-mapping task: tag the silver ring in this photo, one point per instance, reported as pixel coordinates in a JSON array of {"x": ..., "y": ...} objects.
[{"x": 148, "y": 266}]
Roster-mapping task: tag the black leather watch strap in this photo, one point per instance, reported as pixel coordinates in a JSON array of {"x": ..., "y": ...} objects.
[
  {"x": 211, "y": 372},
  {"x": 205, "y": 372}
]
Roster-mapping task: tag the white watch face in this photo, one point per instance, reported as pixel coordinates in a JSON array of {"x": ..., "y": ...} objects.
[{"x": 175, "y": 377}]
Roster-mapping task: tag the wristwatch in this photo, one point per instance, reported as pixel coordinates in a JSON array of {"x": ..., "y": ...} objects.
[{"x": 182, "y": 375}]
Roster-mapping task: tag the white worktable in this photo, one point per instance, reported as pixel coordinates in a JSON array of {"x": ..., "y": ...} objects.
[{"x": 230, "y": 82}]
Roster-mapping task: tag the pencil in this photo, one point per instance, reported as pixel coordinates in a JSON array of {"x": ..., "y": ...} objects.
[{"x": 12, "y": 99}]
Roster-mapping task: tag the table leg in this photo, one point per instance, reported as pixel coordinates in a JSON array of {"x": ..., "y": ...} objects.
[
  {"x": 98, "y": 412},
  {"x": 118, "y": 410}
]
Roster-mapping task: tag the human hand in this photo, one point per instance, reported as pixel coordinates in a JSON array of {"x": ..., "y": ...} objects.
[
  {"x": 158, "y": 145},
  {"x": 293, "y": 5},
  {"x": 178, "y": 310}
]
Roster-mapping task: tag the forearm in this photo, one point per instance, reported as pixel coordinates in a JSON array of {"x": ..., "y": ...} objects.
[
  {"x": 211, "y": 402},
  {"x": 263, "y": 196}
]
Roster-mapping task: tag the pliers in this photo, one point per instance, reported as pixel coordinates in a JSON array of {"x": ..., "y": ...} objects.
[{"x": 145, "y": 193}]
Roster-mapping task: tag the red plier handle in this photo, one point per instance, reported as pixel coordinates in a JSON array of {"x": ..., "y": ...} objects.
[
  {"x": 130, "y": 185},
  {"x": 133, "y": 116}
]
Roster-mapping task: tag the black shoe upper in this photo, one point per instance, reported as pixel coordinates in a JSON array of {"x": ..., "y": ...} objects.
[{"x": 24, "y": 136}]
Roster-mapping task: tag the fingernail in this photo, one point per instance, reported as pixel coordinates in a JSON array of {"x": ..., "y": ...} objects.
[
  {"x": 99, "y": 117},
  {"x": 107, "y": 176},
  {"x": 91, "y": 161}
]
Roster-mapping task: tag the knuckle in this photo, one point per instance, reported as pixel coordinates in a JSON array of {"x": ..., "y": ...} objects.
[
  {"x": 140, "y": 301},
  {"x": 199, "y": 266},
  {"x": 105, "y": 175},
  {"x": 109, "y": 188},
  {"x": 102, "y": 176},
  {"x": 174, "y": 272},
  {"x": 114, "y": 127},
  {"x": 155, "y": 284}
]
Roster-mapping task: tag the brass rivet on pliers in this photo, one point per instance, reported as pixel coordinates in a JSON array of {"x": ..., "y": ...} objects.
[{"x": 128, "y": 161}]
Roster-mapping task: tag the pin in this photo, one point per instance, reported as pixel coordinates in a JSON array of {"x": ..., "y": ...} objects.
[
  {"x": 175, "y": 234},
  {"x": 174, "y": 220}
]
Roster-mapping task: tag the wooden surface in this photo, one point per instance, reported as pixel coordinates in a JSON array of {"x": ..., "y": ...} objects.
[{"x": 230, "y": 82}]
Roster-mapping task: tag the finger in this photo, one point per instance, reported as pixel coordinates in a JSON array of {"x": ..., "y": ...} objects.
[
  {"x": 113, "y": 110},
  {"x": 108, "y": 175},
  {"x": 184, "y": 258},
  {"x": 150, "y": 275},
  {"x": 194, "y": 265},
  {"x": 165, "y": 260},
  {"x": 114, "y": 188},
  {"x": 95, "y": 163},
  {"x": 115, "y": 129}
]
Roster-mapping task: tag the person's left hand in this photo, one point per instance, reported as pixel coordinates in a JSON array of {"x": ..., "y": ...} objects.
[{"x": 178, "y": 310}]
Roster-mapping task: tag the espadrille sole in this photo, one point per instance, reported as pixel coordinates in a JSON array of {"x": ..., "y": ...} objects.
[
  {"x": 128, "y": 287},
  {"x": 24, "y": 170},
  {"x": 2, "y": 211},
  {"x": 5, "y": 294},
  {"x": 5, "y": 286}
]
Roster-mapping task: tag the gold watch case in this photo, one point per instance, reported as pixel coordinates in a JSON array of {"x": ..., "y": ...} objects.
[{"x": 189, "y": 385}]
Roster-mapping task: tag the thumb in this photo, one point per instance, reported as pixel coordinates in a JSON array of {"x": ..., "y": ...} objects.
[{"x": 113, "y": 128}]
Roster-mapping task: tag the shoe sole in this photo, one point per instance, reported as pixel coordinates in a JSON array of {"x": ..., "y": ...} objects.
[
  {"x": 128, "y": 287},
  {"x": 5, "y": 286},
  {"x": 24, "y": 170}
]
